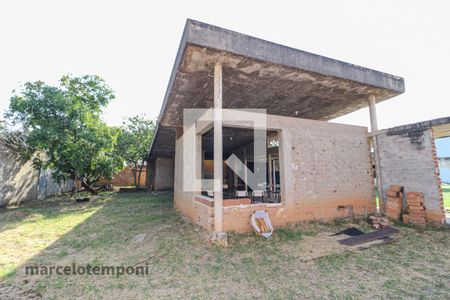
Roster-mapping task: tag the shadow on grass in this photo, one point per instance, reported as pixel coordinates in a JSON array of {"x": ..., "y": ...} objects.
[
  {"x": 183, "y": 264},
  {"x": 33, "y": 211},
  {"x": 94, "y": 233}
]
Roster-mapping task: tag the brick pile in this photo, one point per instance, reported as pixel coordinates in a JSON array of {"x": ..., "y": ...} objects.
[
  {"x": 394, "y": 201},
  {"x": 415, "y": 208}
]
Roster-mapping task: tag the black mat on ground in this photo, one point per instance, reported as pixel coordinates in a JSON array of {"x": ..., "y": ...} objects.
[
  {"x": 351, "y": 231},
  {"x": 368, "y": 237}
]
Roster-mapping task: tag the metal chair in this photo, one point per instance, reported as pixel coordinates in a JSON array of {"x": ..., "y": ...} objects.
[{"x": 258, "y": 194}]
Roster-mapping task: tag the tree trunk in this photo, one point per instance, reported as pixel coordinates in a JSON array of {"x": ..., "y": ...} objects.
[
  {"x": 135, "y": 175},
  {"x": 139, "y": 176},
  {"x": 72, "y": 191},
  {"x": 88, "y": 188}
]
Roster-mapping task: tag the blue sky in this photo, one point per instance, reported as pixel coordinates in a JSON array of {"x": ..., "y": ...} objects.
[{"x": 443, "y": 147}]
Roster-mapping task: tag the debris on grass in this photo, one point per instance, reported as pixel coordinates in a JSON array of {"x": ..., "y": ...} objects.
[
  {"x": 139, "y": 238},
  {"x": 351, "y": 231},
  {"x": 261, "y": 223},
  {"x": 79, "y": 200},
  {"x": 369, "y": 237},
  {"x": 378, "y": 222}
]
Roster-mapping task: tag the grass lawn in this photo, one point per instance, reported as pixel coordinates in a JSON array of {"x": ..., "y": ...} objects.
[
  {"x": 446, "y": 193},
  {"x": 184, "y": 265}
]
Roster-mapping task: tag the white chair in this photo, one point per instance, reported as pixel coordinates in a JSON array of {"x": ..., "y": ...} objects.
[
  {"x": 258, "y": 193},
  {"x": 240, "y": 194},
  {"x": 210, "y": 193}
]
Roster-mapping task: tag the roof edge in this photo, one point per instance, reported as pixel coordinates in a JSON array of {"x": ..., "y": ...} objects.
[{"x": 206, "y": 35}]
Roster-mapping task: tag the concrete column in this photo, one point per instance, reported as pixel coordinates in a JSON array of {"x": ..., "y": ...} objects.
[
  {"x": 235, "y": 177},
  {"x": 198, "y": 163},
  {"x": 246, "y": 172},
  {"x": 218, "y": 156},
  {"x": 373, "y": 113},
  {"x": 374, "y": 127}
]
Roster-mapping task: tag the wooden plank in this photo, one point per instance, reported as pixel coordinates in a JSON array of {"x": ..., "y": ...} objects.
[{"x": 368, "y": 237}]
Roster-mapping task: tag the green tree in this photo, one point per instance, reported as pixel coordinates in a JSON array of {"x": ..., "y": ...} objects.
[
  {"x": 12, "y": 141},
  {"x": 134, "y": 142},
  {"x": 62, "y": 127}
]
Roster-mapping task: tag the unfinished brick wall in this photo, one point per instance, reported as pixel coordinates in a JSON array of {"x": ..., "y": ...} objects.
[
  {"x": 125, "y": 178},
  {"x": 323, "y": 165},
  {"x": 408, "y": 158}
]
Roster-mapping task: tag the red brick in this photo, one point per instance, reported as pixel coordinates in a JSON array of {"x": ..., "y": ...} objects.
[{"x": 396, "y": 188}]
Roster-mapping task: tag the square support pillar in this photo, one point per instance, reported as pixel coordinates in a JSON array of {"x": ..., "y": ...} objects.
[
  {"x": 198, "y": 163},
  {"x": 373, "y": 129},
  {"x": 218, "y": 155},
  {"x": 373, "y": 113}
]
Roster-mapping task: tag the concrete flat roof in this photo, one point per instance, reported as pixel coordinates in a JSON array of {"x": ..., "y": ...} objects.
[{"x": 262, "y": 74}]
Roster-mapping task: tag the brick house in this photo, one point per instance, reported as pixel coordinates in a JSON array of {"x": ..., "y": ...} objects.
[{"x": 311, "y": 166}]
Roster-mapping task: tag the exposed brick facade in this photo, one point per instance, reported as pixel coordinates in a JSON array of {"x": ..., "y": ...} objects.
[
  {"x": 323, "y": 165},
  {"x": 125, "y": 178},
  {"x": 408, "y": 158}
]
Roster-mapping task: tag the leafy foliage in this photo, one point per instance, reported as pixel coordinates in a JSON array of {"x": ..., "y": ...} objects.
[
  {"x": 133, "y": 143},
  {"x": 12, "y": 141},
  {"x": 63, "y": 123}
]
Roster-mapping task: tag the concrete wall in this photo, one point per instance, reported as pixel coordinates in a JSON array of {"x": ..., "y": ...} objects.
[
  {"x": 444, "y": 169},
  {"x": 164, "y": 174},
  {"x": 184, "y": 201},
  {"x": 20, "y": 182},
  {"x": 408, "y": 158},
  {"x": 323, "y": 165},
  {"x": 444, "y": 162},
  {"x": 18, "y": 179},
  {"x": 47, "y": 186}
]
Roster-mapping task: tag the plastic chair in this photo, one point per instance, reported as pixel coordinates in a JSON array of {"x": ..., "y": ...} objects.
[{"x": 241, "y": 194}]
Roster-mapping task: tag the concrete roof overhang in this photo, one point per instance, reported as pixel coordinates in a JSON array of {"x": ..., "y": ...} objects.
[{"x": 262, "y": 74}]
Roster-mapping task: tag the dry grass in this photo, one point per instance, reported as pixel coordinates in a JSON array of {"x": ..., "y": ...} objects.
[
  {"x": 184, "y": 265},
  {"x": 446, "y": 194}
]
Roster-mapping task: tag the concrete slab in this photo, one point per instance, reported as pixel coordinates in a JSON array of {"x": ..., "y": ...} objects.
[{"x": 262, "y": 74}]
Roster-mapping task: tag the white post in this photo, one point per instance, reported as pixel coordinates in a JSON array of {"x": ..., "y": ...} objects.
[
  {"x": 373, "y": 128},
  {"x": 246, "y": 173},
  {"x": 218, "y": 156},
  {"x": 235, "y": 178},
  {"x": 373, "y": 113},
  {"x": 198, "y": 163}
]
